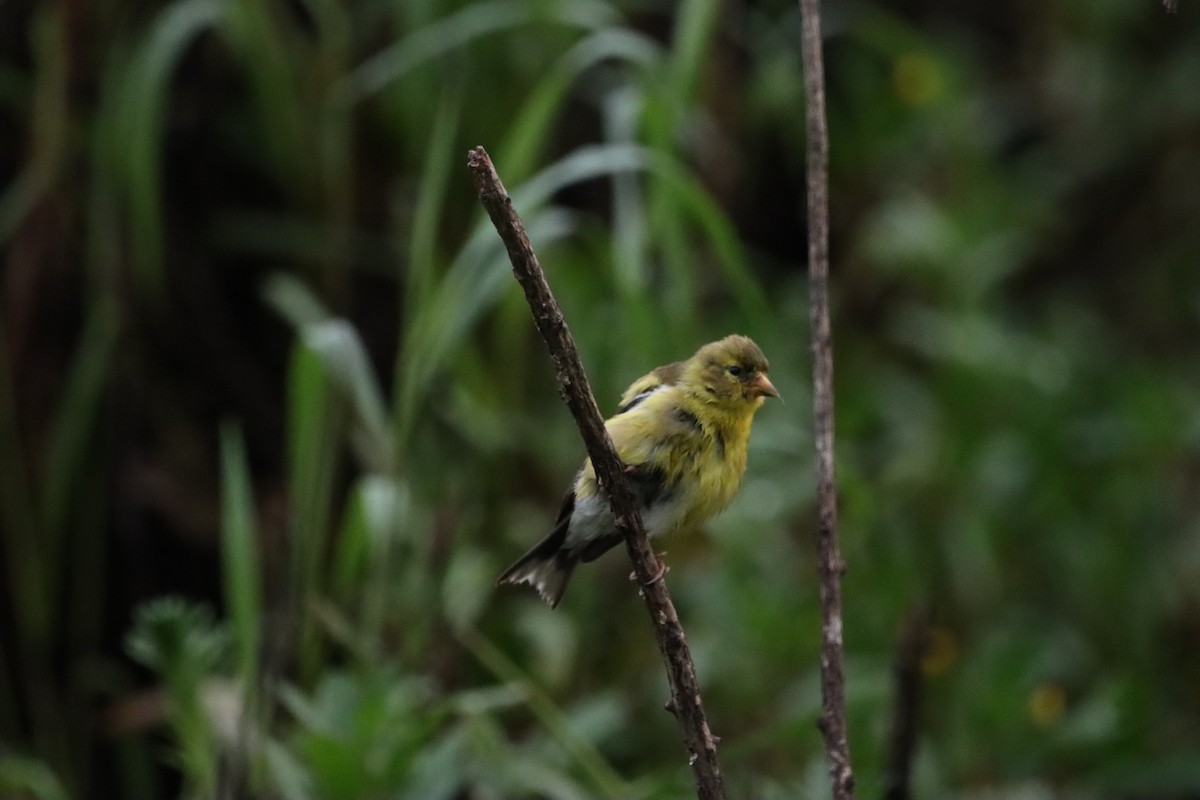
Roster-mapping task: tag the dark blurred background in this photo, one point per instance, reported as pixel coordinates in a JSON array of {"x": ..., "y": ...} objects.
[{"x": 273, "y": 415}]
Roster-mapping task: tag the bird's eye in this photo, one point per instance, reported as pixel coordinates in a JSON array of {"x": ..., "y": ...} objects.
[{"x": 736, "y": 370}]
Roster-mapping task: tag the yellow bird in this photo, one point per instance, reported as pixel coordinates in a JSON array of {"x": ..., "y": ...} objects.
[{"x": 682, "y": 430}]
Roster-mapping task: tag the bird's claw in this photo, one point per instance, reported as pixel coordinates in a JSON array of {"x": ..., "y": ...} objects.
[{"x": 661, "y": 570}]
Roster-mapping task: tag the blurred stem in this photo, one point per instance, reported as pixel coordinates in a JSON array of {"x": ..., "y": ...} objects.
[
  {"x": 256, "y": 29},
  {"x": 75, "y": 499},
  {"x": 140, "y": 99},
  {"x": 87, "y": 560},
  {"x": 430, "y": 198},
  {"x": 335, "y": 133},
  {"x": 73, "y": 426},
  {"x": 17, "y": 529},
  {"x": 906, "y": 703},
  {"x": 49, "y": 123},
  {"x": 423, "y": 264},
  {"x": 33, "y": 691}
]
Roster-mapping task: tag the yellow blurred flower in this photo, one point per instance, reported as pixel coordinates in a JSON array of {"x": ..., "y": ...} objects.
[
  {"x": 1047, "y": 703},
  {"x": 941, "y": 651},
  {"x": 918, "y": 79}
]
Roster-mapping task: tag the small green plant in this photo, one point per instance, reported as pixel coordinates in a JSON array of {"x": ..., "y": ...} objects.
[{"x": 190, "y": 651}]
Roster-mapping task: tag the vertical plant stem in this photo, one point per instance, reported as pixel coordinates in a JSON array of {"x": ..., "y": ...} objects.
[
  {"x": 832, "y": 721},
  {"x": 685, "y": 701},
  {"x": 906, "y": 703},
  {"x": 34, "y": 691}
]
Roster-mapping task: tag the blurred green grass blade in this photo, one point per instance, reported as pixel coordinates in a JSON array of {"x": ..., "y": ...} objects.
[
  {"x": 608, "y": 782},
  {"x": 22, "y": 587},
  {"x": 679, "y": 296},
  {"x": 74, "y": 424},
  {"x": 75, "y": 496},
  {"x": 473, "y": 284},
  {"x": 378, "y": 506},
  {"x": 691, "y": 48},
  {"x": 105, "y": 218},
  {"x": 431, "y": 199},
  {"x": 49, "y": 120},
  {"x": 387, "y": 514},
  {"x": 345, "y": 360},
  {"x": 583, "y": 164},
  {"x": 140, "y": 111},
  {"x": 334, "y": 142},
  {"x": 23, "y": 555},
  {"x": 684, "y": 193},
  {"x": 463, "y": 27},
  {"x": 720, "y": 233},
  {"x": 292, "y": 300},
  {"x": 314, "y": 430},
  {"x": 287, "y": 124},
  {"x": 36, "y": 697},
  {"x": 467, "y": 586},
  {"x": 29, "y": 778},
  {"x": 621, "y": 116},
  {"x": 353, "y": 551},
  {"x": 479, "y": 275},
  {"x": 531, "y": 129},
  {"x": 241, "y": 565},
  {"x": 287, "y": 774}
]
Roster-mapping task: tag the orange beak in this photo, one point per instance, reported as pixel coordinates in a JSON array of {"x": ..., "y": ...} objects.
[{"x": 763, "y": 387}]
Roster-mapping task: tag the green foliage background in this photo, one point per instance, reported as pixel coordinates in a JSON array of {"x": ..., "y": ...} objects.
[{"x": 273, "y": 415}]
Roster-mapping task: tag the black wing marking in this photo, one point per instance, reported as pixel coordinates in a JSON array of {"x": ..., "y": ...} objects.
[
  {"x": 565, "y": 511},
  {"x": 648, "y": 384},
  {"x": 637, "y": 398},
  {"x": 561, "y": 557},
  {"x": 689, "y": 419},
  {"x": 650, "y": 486},
  {"x": 549, "y": 547},
  {"x": 598, "y": 547}
]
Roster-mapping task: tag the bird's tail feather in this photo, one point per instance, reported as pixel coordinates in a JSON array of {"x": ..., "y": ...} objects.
[{"x": 546, "y": 567}]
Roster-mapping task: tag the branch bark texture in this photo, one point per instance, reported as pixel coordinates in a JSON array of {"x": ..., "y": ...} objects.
[
  {"x": 832, "y": 721},
  {"x": 685, "y": 701}
]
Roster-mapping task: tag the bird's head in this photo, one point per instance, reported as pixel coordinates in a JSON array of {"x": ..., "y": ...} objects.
[{"x": 731, "y": 371}]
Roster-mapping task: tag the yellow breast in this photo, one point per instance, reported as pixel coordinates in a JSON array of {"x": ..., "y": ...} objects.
[{"x": 700, "y": 453}]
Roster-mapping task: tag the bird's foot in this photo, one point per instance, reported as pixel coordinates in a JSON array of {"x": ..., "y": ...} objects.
[{"x": 661, "y": 569}]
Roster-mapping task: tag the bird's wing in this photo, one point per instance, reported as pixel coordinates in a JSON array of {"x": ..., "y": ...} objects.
[
  {"x": 650, "y": 486},
  {"x": 648, "y": 384},
  {"x": 653, "y": 439}
]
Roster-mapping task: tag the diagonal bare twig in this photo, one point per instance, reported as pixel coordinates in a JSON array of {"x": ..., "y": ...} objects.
[
  {"x": 830, "y": 565},
  {"x": 685, "y": 701}
]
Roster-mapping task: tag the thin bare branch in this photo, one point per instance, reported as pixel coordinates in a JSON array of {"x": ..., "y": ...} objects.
[
  {"x": 830, "y": 565},
  {"x": 685, "y": 701}
]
